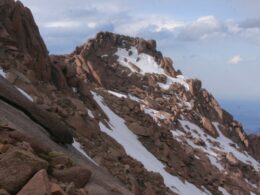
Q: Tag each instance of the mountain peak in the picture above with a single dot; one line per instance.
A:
(114, 116)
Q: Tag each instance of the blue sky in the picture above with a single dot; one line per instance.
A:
(216, 41)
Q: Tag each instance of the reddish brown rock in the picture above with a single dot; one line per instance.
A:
(207, 125)
(232, 160)
(149, 191)
(167, 63)
(3, 192)
(139, 130)
(57, 190)
(79, 175)
(242, 135)
(19, 26)
(226, 117)
(254, 145)
(3, 148)
(194, 86)
(70, 189)
(61, 160)
(38, 185)
(81, 192)
(11, 77)
(151, 44)
(16, 167)
(95, 188)
(58, 77)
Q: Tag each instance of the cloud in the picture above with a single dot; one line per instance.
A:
(235, 60)
(250, 23)
(202, 28)
(62, 24)
(86, 17)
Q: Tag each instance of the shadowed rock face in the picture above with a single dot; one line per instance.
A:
(21, 42)
(58, 130)
(254, 143)
(112, 117)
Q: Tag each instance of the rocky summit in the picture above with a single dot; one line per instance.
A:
(114, 117)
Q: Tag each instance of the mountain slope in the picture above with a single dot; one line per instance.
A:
(119, 113)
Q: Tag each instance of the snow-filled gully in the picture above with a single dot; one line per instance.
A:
(134, 148)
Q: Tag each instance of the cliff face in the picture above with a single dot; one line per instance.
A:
(21, 44)
(112, 117)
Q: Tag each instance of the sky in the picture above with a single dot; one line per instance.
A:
(216, 41)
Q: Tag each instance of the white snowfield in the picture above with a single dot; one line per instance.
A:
(134, 148)
(212, 150)
(146, 64)
(25, 94)
(78, 147)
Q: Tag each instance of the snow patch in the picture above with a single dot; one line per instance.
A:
(104, 56)
(155, 114)
(25, 94)
(134, 148)
(171, 80)
(226, 143)
(223, 190)
(205, 189)
(74, 89)
(78, 147)
(90, 113)
(198, 133)
(120, 95)
(146, 64)
(134, 98)
(223, 145)
(2, 73)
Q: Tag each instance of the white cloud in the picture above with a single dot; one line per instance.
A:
(62, 24)
(168, 25)
(202, 28)
(235, 60)
(136, 26)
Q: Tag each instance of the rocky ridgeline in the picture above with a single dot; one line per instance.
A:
(141, 127)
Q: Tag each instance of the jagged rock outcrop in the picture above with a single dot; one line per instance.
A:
(21, 44)
(254, 144)
(112, 117)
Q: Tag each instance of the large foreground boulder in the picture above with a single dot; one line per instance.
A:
(16, 167)
(38, 185)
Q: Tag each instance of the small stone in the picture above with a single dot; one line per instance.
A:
(11, 77)
(81, 192)
(3, 148)
(232, 160)
(70, 189)
(57, 190)
(3, 192)
(199, 142)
